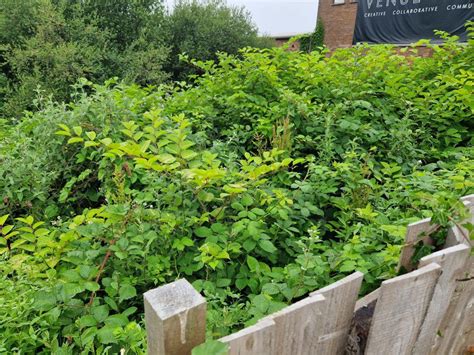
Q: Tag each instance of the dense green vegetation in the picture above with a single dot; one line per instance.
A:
(313, 41)
(47, 45)
(270, 175)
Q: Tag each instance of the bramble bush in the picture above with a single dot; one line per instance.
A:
(272, 175)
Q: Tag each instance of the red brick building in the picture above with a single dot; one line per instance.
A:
(338, 17)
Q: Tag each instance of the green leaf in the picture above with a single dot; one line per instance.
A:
(75, 140)
(249, 245)
(126, 292)
(129, 311)
(116, 320)
(91, 286)
(241, 283)
(7, 229)
(223, 282)
(100, 313)
(203, 232)
(3, 219)
(70, 290)
(77, 130)
(271, 289)
(252, 263)
(267, 246)
(166, 158)
(188, 154)
(44, 301)
(247, 200)
(71, 275)
(348, 265)
(64, 127)
(87, 336)
(213, 347)
(87, 321)
(106, 335)
(91, 135)
(63, 133)
(261, 303)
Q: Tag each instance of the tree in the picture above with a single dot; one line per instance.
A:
(201, 29)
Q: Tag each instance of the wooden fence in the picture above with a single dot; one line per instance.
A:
(429, 310)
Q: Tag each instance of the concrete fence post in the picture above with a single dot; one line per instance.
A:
(175, 317)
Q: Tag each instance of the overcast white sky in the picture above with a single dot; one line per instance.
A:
(280, 18)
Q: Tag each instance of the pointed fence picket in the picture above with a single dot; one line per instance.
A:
(429, 310)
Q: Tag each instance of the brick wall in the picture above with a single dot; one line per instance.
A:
(295, 46)
(338, 21)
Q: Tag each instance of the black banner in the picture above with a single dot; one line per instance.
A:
(407, 21)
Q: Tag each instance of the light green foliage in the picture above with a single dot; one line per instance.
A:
(276, 174)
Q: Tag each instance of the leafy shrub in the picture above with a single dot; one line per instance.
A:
(202, 29)
(273, 175)
(403, 107)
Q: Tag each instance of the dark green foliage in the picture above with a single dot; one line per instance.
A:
(58, 53)
(201, 30)
(314, 41)
(48, 45)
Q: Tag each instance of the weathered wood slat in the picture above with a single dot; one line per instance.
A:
(400, 310)
(341, 298)
(298, 327)
(257, 339)
(367, 299)
(453, 261)
(468, 198)
(417, 231)
(175, 317)
(457, 327)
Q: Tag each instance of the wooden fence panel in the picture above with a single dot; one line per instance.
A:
(417, 231)
(457, 327)
(175, 317)
(298, 327)
(257, 339)
(453, 261)
(341, 298)
(400, 310)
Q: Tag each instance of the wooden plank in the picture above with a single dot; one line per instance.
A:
(457, 327)
(418, 231)
(298, 327)
(452, 261)
(464, 343)
(175, 317)
(468, 198)
(367, 299)
(456, 332)
(341, 298)
(400, 310)
(257, 339)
